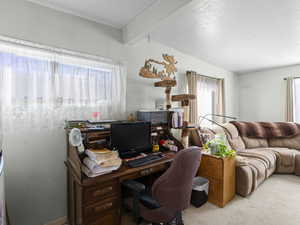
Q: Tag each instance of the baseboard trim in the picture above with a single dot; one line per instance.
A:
(59, 221)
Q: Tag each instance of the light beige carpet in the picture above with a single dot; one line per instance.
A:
(276, 202)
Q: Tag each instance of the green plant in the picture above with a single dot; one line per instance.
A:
(219, 148)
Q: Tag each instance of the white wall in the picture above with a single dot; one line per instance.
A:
(28, 21)
(262, 94)
(35, 173)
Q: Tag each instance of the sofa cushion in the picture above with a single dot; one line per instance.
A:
(286, 160)
(244, 179)
(267, 156)
(255, 142)
(250, 173)
(233, 137)
(267, 129)
(290, 142)
(255, 164)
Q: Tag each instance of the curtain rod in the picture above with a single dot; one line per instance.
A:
(292, 77)
(33, 45)
(216, 78)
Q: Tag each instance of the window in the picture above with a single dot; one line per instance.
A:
(43, 88)
(206, 92)
(297, 100)
(210, 98)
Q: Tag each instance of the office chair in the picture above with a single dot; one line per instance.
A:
(170, 193)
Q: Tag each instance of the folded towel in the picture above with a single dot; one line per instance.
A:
(95, 167)
(102, 157)
(89, 173)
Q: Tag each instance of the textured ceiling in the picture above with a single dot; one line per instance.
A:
(116, 13)
(237, 35)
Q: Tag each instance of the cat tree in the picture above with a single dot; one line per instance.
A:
(167, 76)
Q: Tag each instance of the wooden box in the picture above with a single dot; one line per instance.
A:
(221, 175)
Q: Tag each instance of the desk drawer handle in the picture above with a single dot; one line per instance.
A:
(104, 207)
(102, 191)
(146, 172)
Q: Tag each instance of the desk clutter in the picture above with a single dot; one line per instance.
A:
(91, 143)
(99, 162)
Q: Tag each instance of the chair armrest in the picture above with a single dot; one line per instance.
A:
(134, 186)
(148, 201)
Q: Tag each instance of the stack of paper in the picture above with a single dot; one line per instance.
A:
(99, 162)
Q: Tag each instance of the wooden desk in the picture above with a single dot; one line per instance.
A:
(98, 201)
(221, 175)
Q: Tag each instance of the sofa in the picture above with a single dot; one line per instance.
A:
(259, 157)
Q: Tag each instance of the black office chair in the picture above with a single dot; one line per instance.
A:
(170, 193)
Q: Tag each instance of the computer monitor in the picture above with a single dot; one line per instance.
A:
(131, 137)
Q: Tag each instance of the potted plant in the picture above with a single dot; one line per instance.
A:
(218, 147)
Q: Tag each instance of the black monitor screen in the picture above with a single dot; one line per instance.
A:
(131, 136)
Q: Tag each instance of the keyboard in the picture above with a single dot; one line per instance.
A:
(144, 161)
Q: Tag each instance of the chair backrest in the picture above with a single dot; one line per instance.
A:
(173, 189)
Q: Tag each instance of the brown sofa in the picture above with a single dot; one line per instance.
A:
(258, 158)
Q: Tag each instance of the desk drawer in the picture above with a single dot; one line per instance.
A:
(99, 209)
(97, 135)
(109, 218)
(145, 172)
(100, 192)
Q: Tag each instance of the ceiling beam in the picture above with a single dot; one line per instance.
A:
(146, 22)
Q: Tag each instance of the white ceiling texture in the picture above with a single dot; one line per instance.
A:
(238, 35)
(116, 13)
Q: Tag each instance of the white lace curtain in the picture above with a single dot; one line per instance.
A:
(42, 89)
